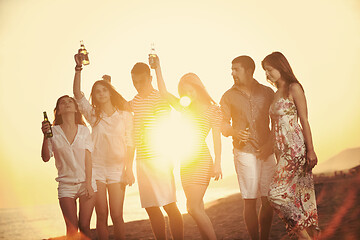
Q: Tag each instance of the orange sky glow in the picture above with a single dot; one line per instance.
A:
(39, 38)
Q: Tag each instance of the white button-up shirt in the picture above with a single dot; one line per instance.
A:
(111, 135)
(70, 158)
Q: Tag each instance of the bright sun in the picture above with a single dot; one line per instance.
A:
(174, 138)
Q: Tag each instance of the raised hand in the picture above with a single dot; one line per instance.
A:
(45, 127)
(78, 59)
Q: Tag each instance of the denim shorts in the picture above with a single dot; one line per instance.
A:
(73, 190)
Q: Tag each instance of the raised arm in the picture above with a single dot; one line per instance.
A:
(77, 77)
(298, 95)
(174, 101)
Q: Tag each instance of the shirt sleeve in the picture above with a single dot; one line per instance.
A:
(86, 109)
(89, 145)
(226, 115)
(129, 129)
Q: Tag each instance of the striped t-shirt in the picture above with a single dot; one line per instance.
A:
(147, 113)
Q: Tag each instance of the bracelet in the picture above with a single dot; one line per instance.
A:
(78, 68)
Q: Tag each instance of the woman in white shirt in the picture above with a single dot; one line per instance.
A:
(71, 146)
(112, 127)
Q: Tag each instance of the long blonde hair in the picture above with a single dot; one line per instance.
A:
(193, 80)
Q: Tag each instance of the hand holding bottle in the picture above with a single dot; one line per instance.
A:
(78, 59)
(152, 57)
(154, 61)
(46, 127)
(243, 136)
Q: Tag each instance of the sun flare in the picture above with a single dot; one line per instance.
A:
(174, 138)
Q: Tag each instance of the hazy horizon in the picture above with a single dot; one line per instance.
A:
(39, 38)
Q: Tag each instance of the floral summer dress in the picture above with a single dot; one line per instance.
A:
(291, 191)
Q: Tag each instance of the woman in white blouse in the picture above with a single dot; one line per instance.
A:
(112, 127)
(71, 146)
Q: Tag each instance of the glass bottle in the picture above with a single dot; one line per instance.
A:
(152, 56)
(49, 133)
(84, 53)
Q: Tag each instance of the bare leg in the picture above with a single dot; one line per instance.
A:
(157, 221)
(101, 209)
(303, 235)
(85, 212)
(251, 218)
(313, 232)
(265, 218)
(68, 208)
(116, 202)
(176, 221)
(195, 206)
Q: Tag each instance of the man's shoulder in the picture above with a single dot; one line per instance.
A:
(265, 88)
(229, 91)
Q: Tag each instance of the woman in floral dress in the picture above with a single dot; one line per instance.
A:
(291, 192)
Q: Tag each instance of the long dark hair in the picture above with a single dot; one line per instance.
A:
(278, 61)
(58, 119)
(193, 80)
(116, 99)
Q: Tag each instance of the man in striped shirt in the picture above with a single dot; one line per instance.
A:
(155, 176)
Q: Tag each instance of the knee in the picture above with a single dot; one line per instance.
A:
(102, 215)
(192, 209)
(172, 209)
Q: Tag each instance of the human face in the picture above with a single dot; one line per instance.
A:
(141, 82)
(238, 73)
(189, 91)
(66, 105)
(101, 94)
(272, 74)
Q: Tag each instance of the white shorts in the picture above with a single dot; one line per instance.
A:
(73, 190)
(254, 175)
(109, 175)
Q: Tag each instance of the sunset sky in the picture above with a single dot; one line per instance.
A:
(38, 38)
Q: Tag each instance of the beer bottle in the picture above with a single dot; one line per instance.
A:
(84, 54)
(152, 56)
(49, 133)
(247, 126)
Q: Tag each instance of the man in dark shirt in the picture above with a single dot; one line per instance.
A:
(245, 108)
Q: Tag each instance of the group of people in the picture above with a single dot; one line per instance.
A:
(97, 167)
